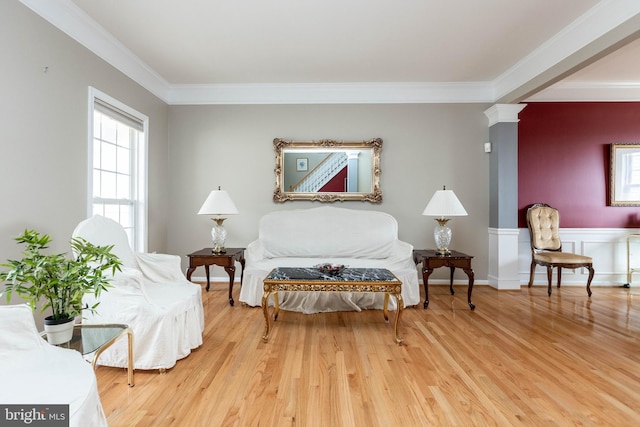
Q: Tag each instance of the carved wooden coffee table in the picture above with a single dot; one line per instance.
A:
(357, 280)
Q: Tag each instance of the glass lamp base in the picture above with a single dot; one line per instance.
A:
(442, 236)
(218, 236)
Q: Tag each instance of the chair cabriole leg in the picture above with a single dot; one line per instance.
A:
(531, 273)
(591, 272)
(559, 276)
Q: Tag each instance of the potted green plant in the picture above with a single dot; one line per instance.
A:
(60, 281)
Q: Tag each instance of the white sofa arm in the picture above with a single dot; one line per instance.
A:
(401, 256)
(160, 267)
(404, 249)
(254, 252)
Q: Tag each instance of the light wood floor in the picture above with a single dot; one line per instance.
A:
(522, 358)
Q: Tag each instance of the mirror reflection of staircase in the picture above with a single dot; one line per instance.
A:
(332, 167)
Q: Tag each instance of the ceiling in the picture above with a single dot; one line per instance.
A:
(319, 51)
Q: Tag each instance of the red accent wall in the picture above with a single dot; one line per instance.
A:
(336, 185)
(563, 160)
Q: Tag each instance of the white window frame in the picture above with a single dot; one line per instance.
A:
(140, 237)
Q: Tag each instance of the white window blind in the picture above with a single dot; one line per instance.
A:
(118, 166)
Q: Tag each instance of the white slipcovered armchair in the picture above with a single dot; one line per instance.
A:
(151, 295)
(35, 373)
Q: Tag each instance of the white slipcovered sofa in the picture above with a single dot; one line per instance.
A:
(306, 237)
(35, 373)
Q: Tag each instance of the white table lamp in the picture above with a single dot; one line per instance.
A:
(219, 205)
(444, 203)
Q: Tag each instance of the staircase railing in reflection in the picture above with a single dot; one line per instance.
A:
(321, 174)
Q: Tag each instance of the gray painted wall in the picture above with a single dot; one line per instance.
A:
(43, 131)
(503, 175)
(425, 147)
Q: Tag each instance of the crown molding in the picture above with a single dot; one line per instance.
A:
(504, 113)
(606, 15)
(73, 21)
(589, 92)
(331, 93)
(592, 25)
(70, 19)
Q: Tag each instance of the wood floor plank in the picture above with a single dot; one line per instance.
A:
(521, 358)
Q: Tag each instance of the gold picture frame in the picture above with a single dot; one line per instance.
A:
(362, 159)
(624, 175)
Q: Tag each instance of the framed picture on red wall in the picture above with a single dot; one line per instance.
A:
(624, 175)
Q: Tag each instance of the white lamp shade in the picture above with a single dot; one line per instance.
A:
(444, 203)
(218, 203)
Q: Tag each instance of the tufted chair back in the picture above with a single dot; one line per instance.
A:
(543, 222)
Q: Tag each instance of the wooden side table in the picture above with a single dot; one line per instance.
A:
(206, 257)
(430, 261)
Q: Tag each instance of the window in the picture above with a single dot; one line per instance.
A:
(117, 165)
(631, 174)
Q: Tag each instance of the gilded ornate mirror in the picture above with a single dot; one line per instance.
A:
(327, 170)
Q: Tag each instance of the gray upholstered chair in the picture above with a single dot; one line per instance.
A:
(543, 222)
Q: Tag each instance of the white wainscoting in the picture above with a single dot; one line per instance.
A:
(607, 247)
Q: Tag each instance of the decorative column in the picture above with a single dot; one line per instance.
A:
(352, 171)
(503, 195)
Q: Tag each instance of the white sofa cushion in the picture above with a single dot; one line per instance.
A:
(328, 232)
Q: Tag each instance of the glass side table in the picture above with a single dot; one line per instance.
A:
(96, 338)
